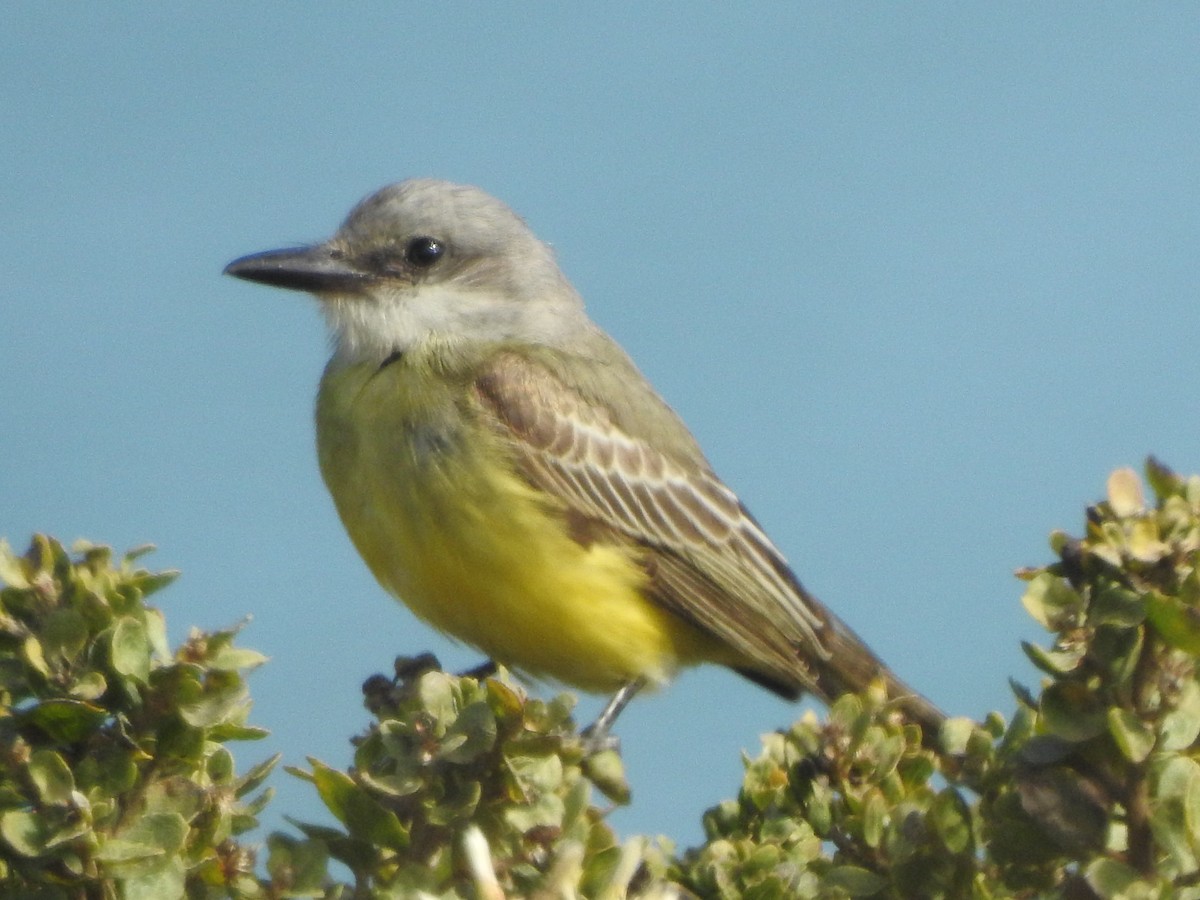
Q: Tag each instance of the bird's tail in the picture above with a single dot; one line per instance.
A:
(852, 666)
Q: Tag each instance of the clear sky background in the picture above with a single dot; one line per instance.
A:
(917, 276)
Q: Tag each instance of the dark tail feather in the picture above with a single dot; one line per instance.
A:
(852, 666)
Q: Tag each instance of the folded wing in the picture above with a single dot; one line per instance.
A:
(711, 563)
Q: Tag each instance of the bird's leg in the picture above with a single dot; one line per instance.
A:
(596, 736)
(485, 669)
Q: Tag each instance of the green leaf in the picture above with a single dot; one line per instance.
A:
(1125, 493)
(1144, 543)
(955, 734)
(362, 815)
(1181, 726)
(395, 786)
(333, 786)
(233, 659)
(31, 653)
(1133, 737)
(459, 804)
(1174, 817)
(1069, 712)
(1110, 878)
(299, 867)
(436, 691)
(607, 772)
(177, 795)
(22, 830)
(166, 878)
(1051, 601)
(1178, 623)
(575, 804)
(224, 699)
(89, 686)
(1117, 606)
(67, 721)
(135, 553)
(1054, 662)
(818, 807)
(1175, 776)
(471, 735)
(545, 811)
(855, 881)
(51, 777)
(256, 776)
(166, 831)
(229, 731)
(12, 568)
(131, 649)
(149, 582)
(1119, 649)
(257, 804)
(220, 766)
(1168, 823)
(1191, 807)
(110, 769)
(951, 820)
(119, 850)
(65, 633)
(181, 741)
(874, 818)
(156, 634)
(537, 774)
(1163, 481)
(1024, 696)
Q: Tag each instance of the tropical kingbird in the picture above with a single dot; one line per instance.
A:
(505, 470)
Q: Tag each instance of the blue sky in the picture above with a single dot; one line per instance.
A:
(918, 277)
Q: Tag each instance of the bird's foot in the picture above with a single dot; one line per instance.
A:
(596, 741)
(596, 737)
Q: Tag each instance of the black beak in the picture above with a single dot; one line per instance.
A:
(316, 269)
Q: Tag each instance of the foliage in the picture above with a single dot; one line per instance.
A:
(453, 756)
(115, 773)
(115, 778)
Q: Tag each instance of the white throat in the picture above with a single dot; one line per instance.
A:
(372, 328)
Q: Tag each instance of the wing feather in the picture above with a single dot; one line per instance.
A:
(712, 564)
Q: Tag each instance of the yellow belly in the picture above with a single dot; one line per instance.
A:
(431, 502)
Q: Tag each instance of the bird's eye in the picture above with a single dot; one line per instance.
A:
(423, 252)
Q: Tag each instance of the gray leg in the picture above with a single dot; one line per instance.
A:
(596, 736)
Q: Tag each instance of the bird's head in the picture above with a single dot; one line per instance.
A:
(427, 260)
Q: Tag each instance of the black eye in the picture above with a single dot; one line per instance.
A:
(423, 252)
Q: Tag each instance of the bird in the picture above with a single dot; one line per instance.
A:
(504, 468)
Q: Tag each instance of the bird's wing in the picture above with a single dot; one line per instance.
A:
(712, 564)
